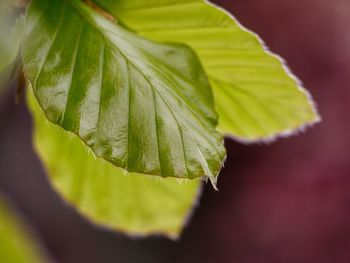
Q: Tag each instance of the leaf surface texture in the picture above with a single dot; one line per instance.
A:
(143, 106)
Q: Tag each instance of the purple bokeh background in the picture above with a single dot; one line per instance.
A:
(285, 202)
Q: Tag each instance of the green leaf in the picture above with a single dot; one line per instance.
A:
(131, 203)
(11, 32)
(143, 106)
(17, 244)
(256, 95)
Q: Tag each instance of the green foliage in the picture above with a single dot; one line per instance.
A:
(11, 31)
(17, 245)
(131, 203)
(143, 106)
(256, 95)
(141, 83)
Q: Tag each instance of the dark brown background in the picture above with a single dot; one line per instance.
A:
(287, 202)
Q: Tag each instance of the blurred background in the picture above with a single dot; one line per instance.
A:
(279, 203)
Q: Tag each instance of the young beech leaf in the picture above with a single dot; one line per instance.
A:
(143, 106)
(256, 95)
(17, 244)
(134, 204)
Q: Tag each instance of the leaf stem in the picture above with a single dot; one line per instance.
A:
(99, 10)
